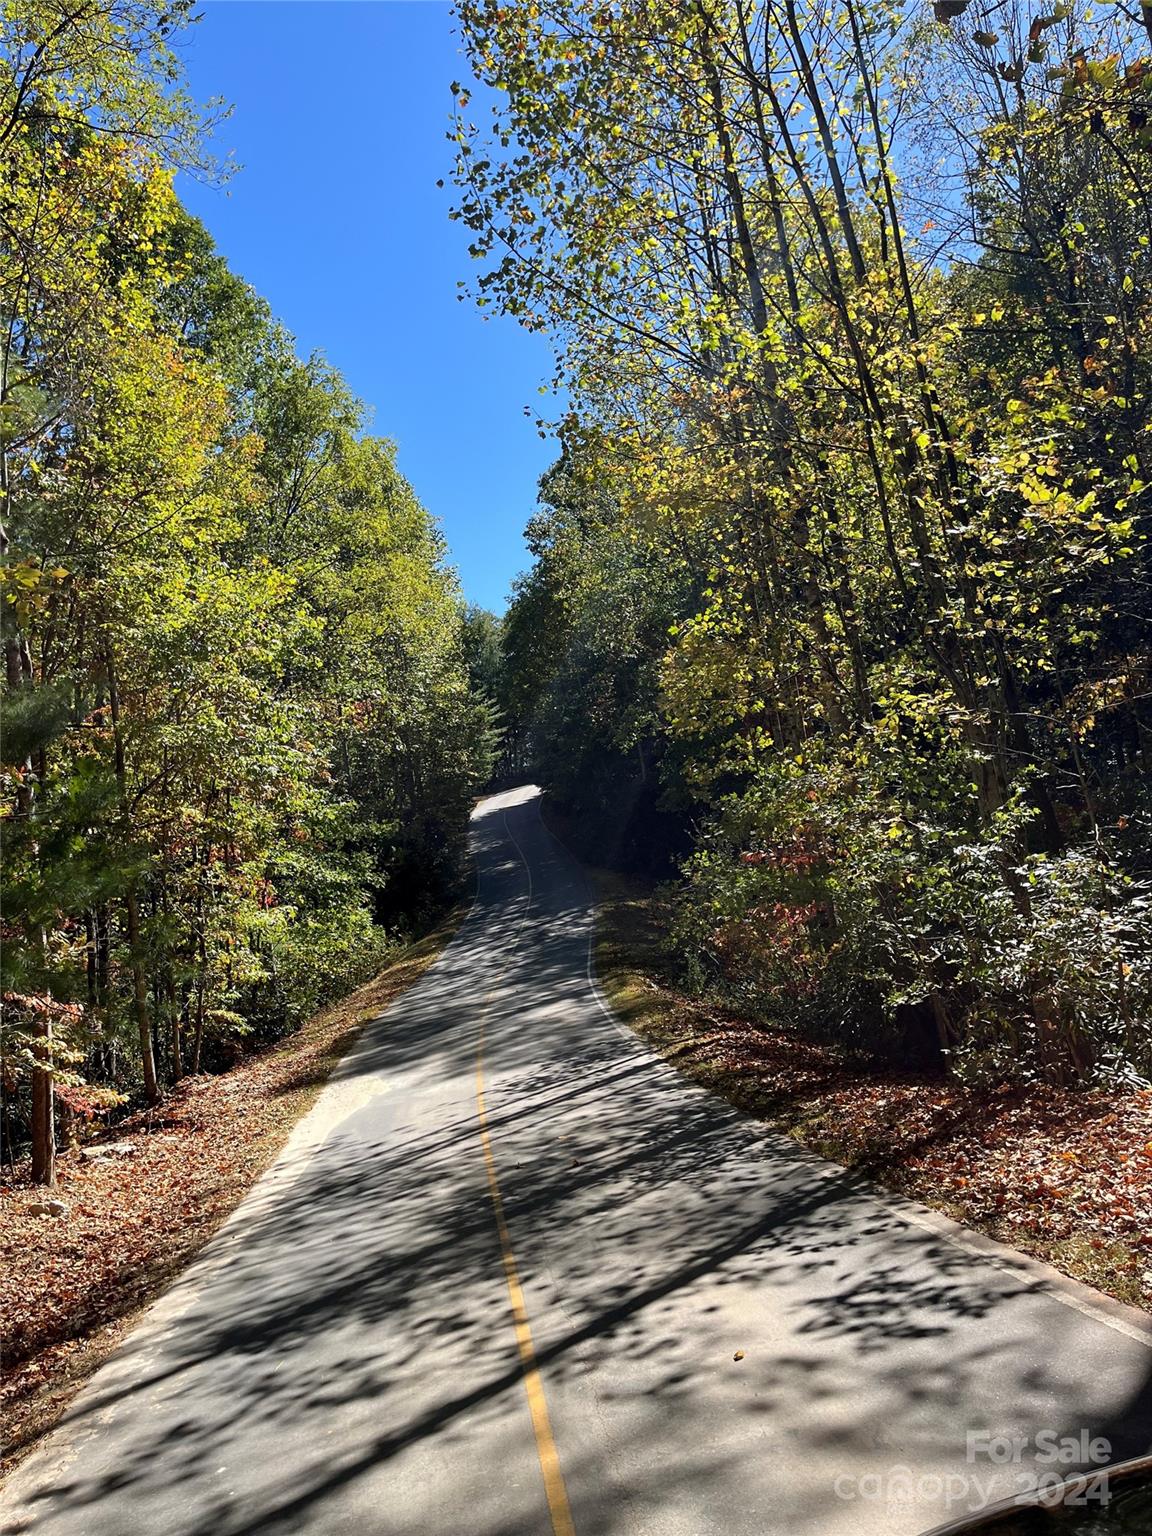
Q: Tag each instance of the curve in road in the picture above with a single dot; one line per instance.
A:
(513, 1276)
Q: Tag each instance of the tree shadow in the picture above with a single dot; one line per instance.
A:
(342, 1358)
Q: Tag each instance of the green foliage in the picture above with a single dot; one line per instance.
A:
(582, 645)
(816, 901)
(854, 311)
(241, 734)
(480, 636)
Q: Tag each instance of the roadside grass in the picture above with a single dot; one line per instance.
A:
(72, 1286)
(1063, 1175)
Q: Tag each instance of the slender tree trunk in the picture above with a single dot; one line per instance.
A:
(43, 1116)
(131, 904)
(198, 1033)
(174, 1030)
(140, 997)
(18, 674)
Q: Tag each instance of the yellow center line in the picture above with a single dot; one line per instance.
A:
(554, 1489)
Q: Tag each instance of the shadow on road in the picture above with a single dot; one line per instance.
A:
(359, 1321)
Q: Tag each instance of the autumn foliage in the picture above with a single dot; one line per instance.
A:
(841, 587)
(240, 741)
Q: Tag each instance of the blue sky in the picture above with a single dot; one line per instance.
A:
(340, 112)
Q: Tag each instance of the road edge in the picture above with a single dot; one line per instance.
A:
(1041, 1276)
(336, 1097)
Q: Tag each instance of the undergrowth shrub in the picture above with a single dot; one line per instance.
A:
(817, 903)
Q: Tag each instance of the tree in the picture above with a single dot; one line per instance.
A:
(893, 430)
(241, 740)
(480, 633)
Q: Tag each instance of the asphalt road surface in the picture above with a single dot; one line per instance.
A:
(498, 1282)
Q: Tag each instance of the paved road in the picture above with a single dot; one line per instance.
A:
(375, 1344)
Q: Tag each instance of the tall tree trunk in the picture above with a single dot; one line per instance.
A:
(18, 674)
(174, 1042)
(43, 1116)
(140, 997)
(198, 1033)
(131, 905)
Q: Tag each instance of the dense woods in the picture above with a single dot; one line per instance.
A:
(832, 659)
(240, 738)
(840, 603)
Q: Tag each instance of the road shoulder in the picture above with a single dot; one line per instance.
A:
(1058, 1180)
(74, 1285)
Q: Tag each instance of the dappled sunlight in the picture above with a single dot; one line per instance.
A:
(342, 1358)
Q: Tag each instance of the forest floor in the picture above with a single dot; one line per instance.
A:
(72, 1286)
(1063, 1175)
